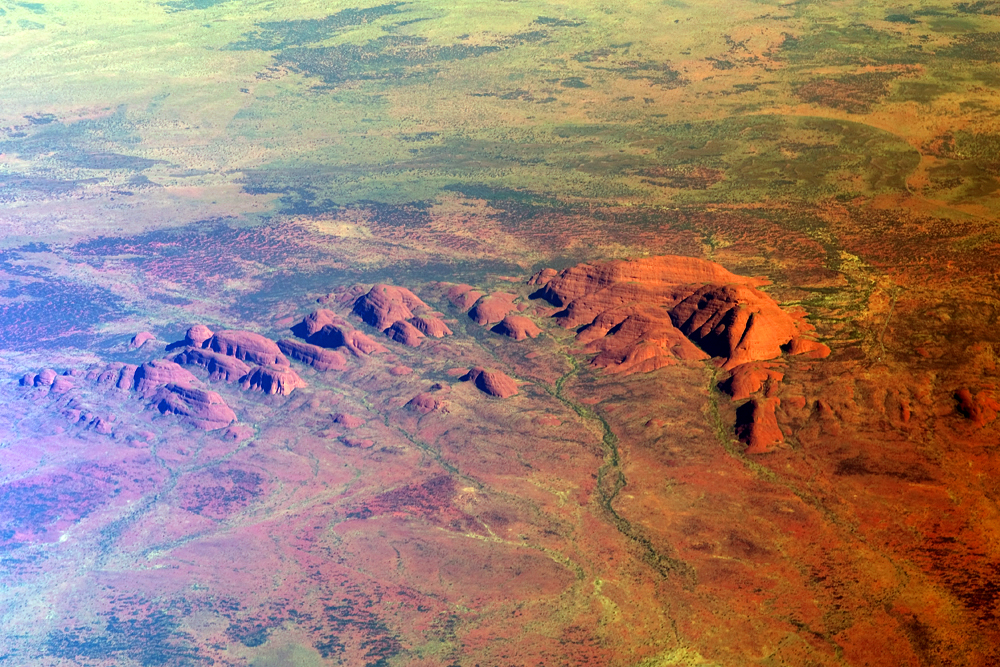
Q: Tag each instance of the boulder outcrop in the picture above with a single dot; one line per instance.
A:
(384, 305)
(324, 328)
(154, 374)
(247, 346)
(219, 366)
(757, 425)
(517, 327)
(273, 380)
(463, 296)
(313, 355)
(141, 339)
(430, 326)
(492, 309)
(203, 409)
(405, 333)
(747, 379)
(493, 383)
(197, 335)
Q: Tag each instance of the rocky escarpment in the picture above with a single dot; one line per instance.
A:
(644, 314)
(399, 314)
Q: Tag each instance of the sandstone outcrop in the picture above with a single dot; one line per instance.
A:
(463, 296)
(430, 326)
(197, 335)
(219, 366)
(141, 339)
(757, 425)
(493, 383)
(203, 409)
(517, 327)
(384, 305)
(154, 374)
(348, 421)
(810, 348)
(980, 408)
(313, 355)
(247, 346)
(639, 315)
(405, 333)
(737, 323)
(492, 309)
(424, 403)
(273, 380)
(747, 379)
(324, 329)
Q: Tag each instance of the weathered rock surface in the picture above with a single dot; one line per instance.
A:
(632, 301)
(219, 366)
(348, 421)
(324, 329)
(517, 327)
(492, 309)
(273, 380)
(247, 346)
(197, 335)
(810, 348)
(980, 408)
(313, 355)
(405, 333)
(430, 326)
(738, 323)
(747, 379)
(154, 374)
(141, 339)
(463, 296)
(494, 383)
(203, 409)
(424, 403)
(384, 305)
(757, 425)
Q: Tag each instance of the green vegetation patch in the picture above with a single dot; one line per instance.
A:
(278, 35)
(853, 93)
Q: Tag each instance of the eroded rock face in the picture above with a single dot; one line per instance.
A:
(405, 333)
(273, 380)
(757, 425)
(203, 409)
(517, 327)
(463, 296)
(493, 383)
(154, 374)
(384, 305)
(748, 379)
(247, 346)
(492, 309)
(430, 326)
(424, 403)
(980, 408)
(313, 355)
(141, 339)
(219, 366)
(640, 315)
(197, 335)
(738, 323)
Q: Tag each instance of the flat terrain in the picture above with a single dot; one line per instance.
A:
(477, 469)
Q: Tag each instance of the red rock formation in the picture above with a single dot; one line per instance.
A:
(811, 348)
(397, 371)
(424, 403)
(348, 421)
(313, 355)
(636, 340)
(385, 305)
(126, 376)
(219, 366)
(493, 308)
(333, 336)
(204, 409)
(360, 443)
(463, 296)
(247, 346)
(45, 378)
(61, 385)
(405, 333)
(747, 379)
(757, 425)
(273, 380)
(430, 326)
(197, 335)
(315, 321)
(517, 327)
(981, 408)
(494, 383)
(154, 374)
(738, 323)
(141, 339)
(651, 272)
